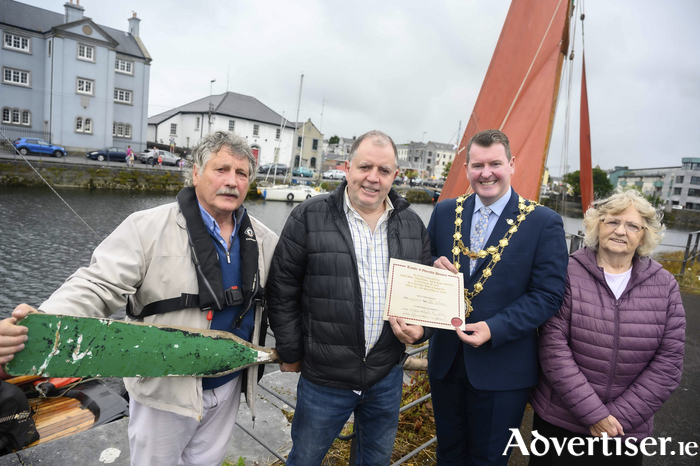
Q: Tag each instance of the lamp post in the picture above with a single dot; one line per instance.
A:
(211, 86)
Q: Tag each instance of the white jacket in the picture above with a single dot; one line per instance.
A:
(147, 256)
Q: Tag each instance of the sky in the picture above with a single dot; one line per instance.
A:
(414, 69)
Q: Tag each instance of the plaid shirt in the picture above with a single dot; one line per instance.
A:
(372, 253)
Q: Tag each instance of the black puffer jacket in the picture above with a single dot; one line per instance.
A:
(314, 297)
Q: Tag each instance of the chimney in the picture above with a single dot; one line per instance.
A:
(134, 25)
(74, 12)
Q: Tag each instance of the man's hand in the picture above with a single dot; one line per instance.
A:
(291, 366)
(481, 333)
(13, 336)
(610, 425)
(406, 333)
(444, 263)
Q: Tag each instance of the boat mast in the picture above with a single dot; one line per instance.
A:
(294, 139)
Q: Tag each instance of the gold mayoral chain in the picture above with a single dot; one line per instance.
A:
(494, 251)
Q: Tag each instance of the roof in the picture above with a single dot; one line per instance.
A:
(36, 19)
(227, 104)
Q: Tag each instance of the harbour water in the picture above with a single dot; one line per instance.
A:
(42, 242)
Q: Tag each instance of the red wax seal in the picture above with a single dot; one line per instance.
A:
(456, 322)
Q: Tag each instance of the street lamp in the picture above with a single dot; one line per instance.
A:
(211, 86)
(424, 133)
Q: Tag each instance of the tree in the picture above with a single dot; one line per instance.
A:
(601, 184)
(446, 169)
(334, 140)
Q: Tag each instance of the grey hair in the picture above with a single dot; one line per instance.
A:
(487, 138)
(617, 203)
(213, 143)
(378, 138)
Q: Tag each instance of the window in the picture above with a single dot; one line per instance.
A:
(15, 42)
(121, 130)
(196, 123)
(15, 117)
(50, 47)
(679, 179)
(677, 191)
(83, 125)
(232, 124)
(26, 118)
(6, 115)
(256, 130)
(86, 52)
(16, 77)
(695, 180)
(694, 192)
(122, 96)
(277, 134)
(299, 141)
(123, 66)
(85, 86)
(173, 129)
(314, 145)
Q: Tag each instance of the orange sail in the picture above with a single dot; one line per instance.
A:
(519, 93)
(586, 170)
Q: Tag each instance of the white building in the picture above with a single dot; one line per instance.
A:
(268, 133)
(71, 81)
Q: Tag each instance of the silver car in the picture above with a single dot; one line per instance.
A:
(150, 157)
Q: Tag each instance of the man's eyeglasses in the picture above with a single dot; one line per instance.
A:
(631, 227)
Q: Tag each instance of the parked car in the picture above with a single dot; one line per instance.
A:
(303, 171)
(111, 154)
(38, 146)
(273, 168)
(334, 174)
(151, 157)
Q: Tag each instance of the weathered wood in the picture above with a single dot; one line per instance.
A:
(69, 346)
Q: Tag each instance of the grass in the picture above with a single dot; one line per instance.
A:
(672, 261)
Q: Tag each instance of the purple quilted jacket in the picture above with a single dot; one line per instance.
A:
(600, 355)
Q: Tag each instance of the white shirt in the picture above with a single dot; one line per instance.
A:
(618, 281)
(372, 253)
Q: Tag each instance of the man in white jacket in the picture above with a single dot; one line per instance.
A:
(147, 261)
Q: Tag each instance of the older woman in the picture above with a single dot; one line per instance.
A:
(614, 353)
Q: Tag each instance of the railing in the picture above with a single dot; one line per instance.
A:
(15, 132)
(351, 437)
(690, 254)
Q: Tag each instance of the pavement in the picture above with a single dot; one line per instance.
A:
(678, 419)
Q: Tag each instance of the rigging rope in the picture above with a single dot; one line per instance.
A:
(49, 185)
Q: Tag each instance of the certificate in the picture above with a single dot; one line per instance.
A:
(424, 295)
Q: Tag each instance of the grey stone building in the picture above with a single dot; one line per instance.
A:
(682, 186)
(70, 80)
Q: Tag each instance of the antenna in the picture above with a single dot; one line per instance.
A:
(323, 105)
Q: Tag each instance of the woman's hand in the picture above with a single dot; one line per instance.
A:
(610, 425)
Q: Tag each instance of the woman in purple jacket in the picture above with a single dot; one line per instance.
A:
(613, 354)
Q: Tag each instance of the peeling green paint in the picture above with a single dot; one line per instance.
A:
(69, 346)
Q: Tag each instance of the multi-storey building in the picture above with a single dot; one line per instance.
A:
(268, 133)
(428, 159)
(682, 186)
(308, 151)
(71, 81)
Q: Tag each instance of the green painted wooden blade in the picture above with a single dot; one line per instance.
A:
(69, 346)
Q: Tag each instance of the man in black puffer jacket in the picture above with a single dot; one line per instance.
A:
(326, 293)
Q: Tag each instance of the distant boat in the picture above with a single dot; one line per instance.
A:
(289, 193)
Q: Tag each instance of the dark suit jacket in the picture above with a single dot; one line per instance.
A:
(525, 290)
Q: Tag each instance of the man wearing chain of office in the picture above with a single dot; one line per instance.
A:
(513, 255)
